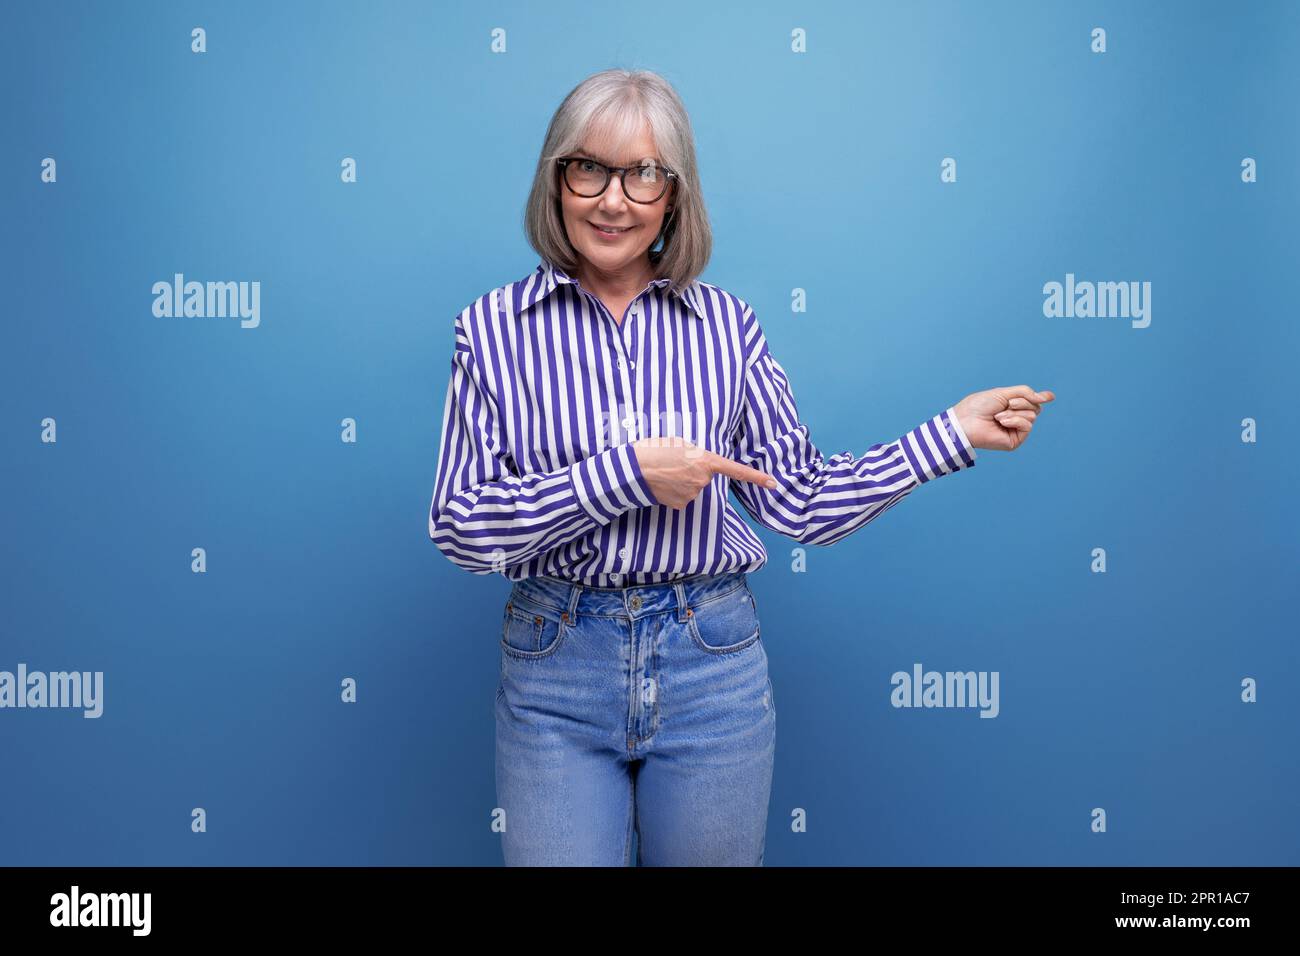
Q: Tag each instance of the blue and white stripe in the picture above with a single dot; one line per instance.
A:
(536, 470)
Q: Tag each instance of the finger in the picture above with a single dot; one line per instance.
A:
(1024, 391)
(1027, 414)
(1016, 422)
(734, 469)
(1025, 403)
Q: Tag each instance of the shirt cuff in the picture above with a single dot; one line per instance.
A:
(937, 447)
(961, 432)
(609, 483)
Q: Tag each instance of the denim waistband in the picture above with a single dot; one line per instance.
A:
(570, 600)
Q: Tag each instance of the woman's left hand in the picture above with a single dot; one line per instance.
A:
(1000, 418)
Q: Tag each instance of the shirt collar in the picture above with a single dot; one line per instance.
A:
(549, 276)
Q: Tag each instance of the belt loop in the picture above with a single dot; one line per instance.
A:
(571, 615)
(681, 601)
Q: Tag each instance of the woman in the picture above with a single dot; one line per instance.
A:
(598, 411)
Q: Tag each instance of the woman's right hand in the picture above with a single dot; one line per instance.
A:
(677, 470)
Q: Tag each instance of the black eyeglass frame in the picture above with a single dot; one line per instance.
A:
(622, 171)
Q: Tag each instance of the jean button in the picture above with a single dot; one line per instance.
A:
(636, 602)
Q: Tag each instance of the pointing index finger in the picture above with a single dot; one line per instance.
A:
(734, 469)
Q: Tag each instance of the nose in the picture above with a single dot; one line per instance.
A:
(612, 199)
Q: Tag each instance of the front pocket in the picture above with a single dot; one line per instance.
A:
(724, 624)
(529, 631)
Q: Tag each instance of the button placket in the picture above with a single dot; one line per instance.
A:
(626, 340)
(625, 531)
(629, 337)
(623, 381)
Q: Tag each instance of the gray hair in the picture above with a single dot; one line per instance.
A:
(614, 106)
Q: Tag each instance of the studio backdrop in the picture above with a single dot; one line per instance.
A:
(226, 636)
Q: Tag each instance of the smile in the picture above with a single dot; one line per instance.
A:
(609, 232)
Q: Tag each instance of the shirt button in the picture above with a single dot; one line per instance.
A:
(629, 421)
(636, 308)
(616, 576)
(622, 552)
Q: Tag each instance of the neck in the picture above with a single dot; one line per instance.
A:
(623, 284)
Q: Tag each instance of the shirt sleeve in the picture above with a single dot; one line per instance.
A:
(485, 516)
(820, 500)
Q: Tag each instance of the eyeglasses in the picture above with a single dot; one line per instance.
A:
(588, 178)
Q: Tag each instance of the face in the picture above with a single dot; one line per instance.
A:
(621, 256)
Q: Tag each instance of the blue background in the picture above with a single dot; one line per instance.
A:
(821, 171)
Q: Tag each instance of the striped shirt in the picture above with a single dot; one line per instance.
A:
(537, 473)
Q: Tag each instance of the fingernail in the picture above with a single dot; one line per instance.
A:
(771, 482)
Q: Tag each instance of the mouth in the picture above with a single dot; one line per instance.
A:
(609, 231)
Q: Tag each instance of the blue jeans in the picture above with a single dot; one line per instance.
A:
(645, 707)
